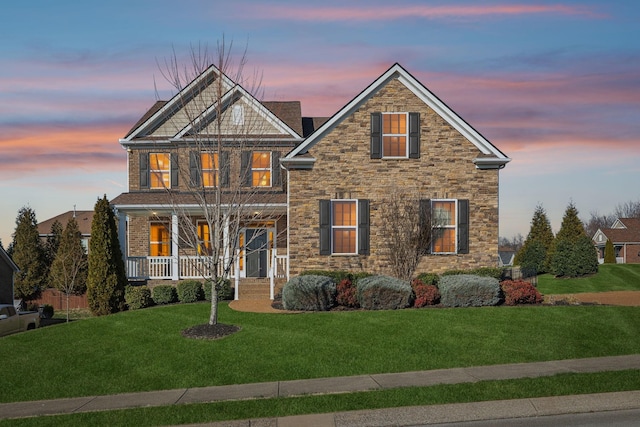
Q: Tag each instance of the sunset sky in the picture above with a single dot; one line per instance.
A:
(554, 85)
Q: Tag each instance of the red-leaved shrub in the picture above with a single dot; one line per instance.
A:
(346, 294)
(520, 292)
(425, 294)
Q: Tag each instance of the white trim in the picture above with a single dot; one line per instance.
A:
(405, 135)
(396, 71)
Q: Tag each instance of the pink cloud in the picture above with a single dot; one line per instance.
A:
(386, 13)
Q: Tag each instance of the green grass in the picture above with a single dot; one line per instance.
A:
(267, 408)
(610, 277)
(143, 350)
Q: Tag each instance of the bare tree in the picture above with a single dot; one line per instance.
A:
(629, 209)
(221, 136)
(408, 227)
(597, 221)
(69, 267)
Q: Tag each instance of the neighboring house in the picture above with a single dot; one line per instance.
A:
(395, 136)
(506, 257)
(7, 272)
(83, 218)
(625, 237)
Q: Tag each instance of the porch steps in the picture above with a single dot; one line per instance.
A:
(256, 289)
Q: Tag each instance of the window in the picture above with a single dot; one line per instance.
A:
(238, 115)
(210, 169)
(261, 169)
(395, 135)
(159, 240)
(159, 169)
(444, 226)
(344, 227)
(204, 239)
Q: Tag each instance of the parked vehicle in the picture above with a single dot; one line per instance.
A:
(12, 321)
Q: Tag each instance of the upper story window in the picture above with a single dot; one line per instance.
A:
(261, 169)
(159, 170)
(159, 240)
(395, 135)
(210, 169)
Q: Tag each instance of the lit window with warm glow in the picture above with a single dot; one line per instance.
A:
(261, 169)
(210, 169)
(159, 170)
(394, 135)
(159, 240)
(344, 226)
(444, 226)
(204, 238)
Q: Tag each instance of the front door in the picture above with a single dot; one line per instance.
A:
(256, 252)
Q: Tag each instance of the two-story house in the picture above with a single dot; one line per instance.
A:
(304, 193)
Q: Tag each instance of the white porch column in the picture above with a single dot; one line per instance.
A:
(175, 266)
(237, 274)
(272, 273)
(226, 242)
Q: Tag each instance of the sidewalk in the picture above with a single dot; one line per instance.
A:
(395, 416)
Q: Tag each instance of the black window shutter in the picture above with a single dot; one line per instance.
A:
(223, 165)
(363, 227)
(174, 169)
(245, 168)
(144, 170)
(194, 168)
(414, 135)
(463, 226)
(376, 135)
(425, 226)
(325, 227)
(276, 179)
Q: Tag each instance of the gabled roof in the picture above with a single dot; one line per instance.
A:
(83, 218)
(163, 111)
(5, 256)
(624, 230)
(491, 157)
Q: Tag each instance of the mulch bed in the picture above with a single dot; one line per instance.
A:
(210, 332)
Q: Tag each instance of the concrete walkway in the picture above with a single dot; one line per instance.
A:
(383, 417)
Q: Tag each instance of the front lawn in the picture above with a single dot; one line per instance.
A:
(143, 350)
(610, 277)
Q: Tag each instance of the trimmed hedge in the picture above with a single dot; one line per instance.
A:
(336, 275)
(519, 292)
(467, 290)
(225, 290)
(190, 291)
(309, 293)
(494, 272)
(428, 278)
(137, 297)
(165, 294)
(383, 293)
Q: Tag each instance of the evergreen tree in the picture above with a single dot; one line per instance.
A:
(609, 253)
(106, 280)
(570, 255)
(51, 246)
(533, 253)
(68, 271)
(27, 253)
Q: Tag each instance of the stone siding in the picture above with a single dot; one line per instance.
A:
(344, 170)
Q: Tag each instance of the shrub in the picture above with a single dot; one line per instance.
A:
(383, 293)
(346, 294)
(137, 297)
(190, 291)
(573, 258)
(309, 293)
(47, 311)
(424, 294)
(520, 292)
(336, 275)
(494, 272)
(429, 278)
(466, 290)
(225, 291)
(165, 294)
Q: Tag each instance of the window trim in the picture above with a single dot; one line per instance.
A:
(161, 243)
(405, 135)
(160, 173)
(454, 227)
(268, 168)
(345, 227)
